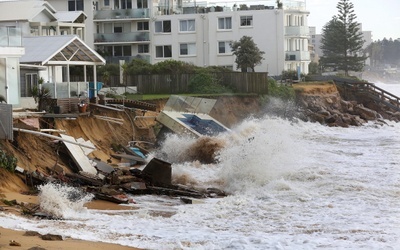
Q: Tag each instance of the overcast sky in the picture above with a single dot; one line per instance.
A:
(382, 17)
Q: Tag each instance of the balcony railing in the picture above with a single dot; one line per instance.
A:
(127, 59)
(122, 37)
(10, 37)
(298, 31)
(297, 56)
(121, 14)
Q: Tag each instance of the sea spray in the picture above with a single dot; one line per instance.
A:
(62, 201)
(269, 150)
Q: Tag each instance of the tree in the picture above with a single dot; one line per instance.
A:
(248, 55)
(342, 40)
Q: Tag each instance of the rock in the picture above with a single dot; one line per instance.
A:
(14, 243)
(52, 237)
(366, 113)
(31, 233)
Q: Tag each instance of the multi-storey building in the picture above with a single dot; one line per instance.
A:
(195, 31)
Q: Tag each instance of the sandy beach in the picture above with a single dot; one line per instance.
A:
(28, 242)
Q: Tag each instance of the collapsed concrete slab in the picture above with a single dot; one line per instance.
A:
(189, 115)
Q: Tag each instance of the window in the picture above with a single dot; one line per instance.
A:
(126, 4)
(31, 80)
(143, 26)
(142, 4)
(74, 5)
(143, 48)
(106, 2)
(164, 51)
(117, 28)
(187, 25)
(122, 50)
(246, 21)
(163, 26)
(225, 23)
(224, 47)
(187, 49)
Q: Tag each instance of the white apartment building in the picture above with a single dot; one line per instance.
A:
(195, 31)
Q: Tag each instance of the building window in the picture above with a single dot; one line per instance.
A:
(142, 4)
(143, 48)
(187, 49)
(224, 47)
(126, 4)
(164, 51)
(187, 25)
(163, 26)
(143, 26)
(117, 28)
(122, 50)
(246, 21)
(225, 23)
(106, 2)
(31, 80)
(75, 5)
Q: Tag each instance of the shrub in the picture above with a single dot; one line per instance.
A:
(281, 91)
(205, 83)
(7, 162)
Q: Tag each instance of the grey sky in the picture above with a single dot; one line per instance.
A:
(382, 17)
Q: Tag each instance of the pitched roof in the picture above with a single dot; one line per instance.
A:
(23, 10)
(71, 16)
(59, 50)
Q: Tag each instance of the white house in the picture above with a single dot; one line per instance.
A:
(38, 19)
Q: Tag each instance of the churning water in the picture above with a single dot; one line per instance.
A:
(292, 185)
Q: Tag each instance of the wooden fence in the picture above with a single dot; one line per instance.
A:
(179, 83)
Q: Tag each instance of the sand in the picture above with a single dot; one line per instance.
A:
(27, 242)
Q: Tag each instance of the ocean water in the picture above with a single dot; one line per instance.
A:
(291, 185)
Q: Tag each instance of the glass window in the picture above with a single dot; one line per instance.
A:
(143, 26)
(106, 2)
(187, 25)
(117, 28)
(142, 4)
(31, 80)
(225, 23)
(74, 5)
(127, 50)
(224, 47)
(164, 51)
(143, 48)
(188, 49)
(126, 4)
(117, 50)
(163, 26)
(246, 21)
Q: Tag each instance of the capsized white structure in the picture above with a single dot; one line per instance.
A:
(64, 51)
(189, 115)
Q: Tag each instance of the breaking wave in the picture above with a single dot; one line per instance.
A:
(258, 151)
(62, 201)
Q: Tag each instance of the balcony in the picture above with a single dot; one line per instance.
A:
(297, 31)
(127, 59)
(10, 37)
(131, 37)
(297, 56)
(103, 15)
